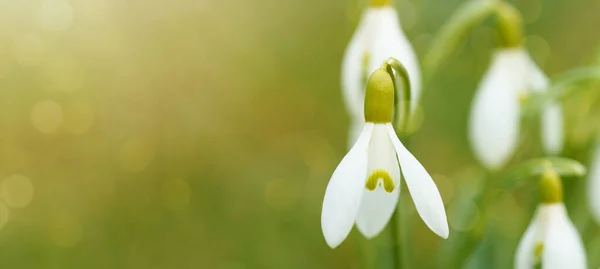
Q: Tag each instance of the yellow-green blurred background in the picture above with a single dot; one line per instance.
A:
(201, 134)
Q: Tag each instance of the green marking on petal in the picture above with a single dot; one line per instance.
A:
(524, 97)
(373, 180)
(365, 68)
(537, 252)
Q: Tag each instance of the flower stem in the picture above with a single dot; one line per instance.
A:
(396, 246)
(400, 227)
(468, 16)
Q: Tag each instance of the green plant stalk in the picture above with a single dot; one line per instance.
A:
(593, 249)
(402, 118)
(468, 16)
(396, 246)
(468, 241)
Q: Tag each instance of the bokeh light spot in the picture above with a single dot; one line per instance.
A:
(66, 231)
(175, 194)
(135, 155)
(5, 67)
(55, 15)
(17, 191)
(61, 73)
(29, 49)
(79, 117)
(46, 116)
(463, 215)
(4, 214)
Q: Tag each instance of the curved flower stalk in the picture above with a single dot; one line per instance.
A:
(365, 187)
(594, 185)
(551, 240)
(377, 38)
(494, 124)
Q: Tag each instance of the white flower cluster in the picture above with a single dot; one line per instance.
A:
(365, 187)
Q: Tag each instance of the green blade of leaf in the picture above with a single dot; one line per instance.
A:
(564, 86)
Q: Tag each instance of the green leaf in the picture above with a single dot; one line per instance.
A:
(564, 86)
(535, 168)
(468, 16)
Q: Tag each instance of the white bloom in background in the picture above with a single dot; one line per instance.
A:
(551, 240)
(377, 38)
(365, 187)
(594, 185)
(496, 111)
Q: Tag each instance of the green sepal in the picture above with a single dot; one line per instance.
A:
(564, 167)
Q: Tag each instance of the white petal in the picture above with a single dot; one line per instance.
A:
(552, 129)
(423, 190)
(551, 117)
(379, 37)
(377, 207)
(391, 42)
(353, 76)
(524, 258)
(538, 81)
(563, 247)
(344, 191)
(594, 185)
(495, 113)
(534, 235)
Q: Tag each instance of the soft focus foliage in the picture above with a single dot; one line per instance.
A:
(201, 134)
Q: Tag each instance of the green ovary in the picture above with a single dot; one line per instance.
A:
(388, 183)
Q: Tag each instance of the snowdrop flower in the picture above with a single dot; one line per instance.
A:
(551, 239)
(594, 185)
(496, 110)
(377, 38)
(365, 187)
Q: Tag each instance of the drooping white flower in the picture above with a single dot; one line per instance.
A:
(378, 37)
(496, 110)
(551, 240)
(594, 185)
(365, 187)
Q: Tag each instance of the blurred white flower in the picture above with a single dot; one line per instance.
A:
(551, 240)
(377, 38)
(594, 185)
(365, 186)
(496, 109)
